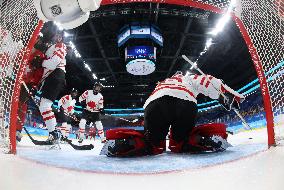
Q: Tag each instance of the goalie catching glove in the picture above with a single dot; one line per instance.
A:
(230, 98)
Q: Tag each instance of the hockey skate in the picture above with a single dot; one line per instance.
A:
(103, 140)
(19, 136)
(80, 141)
(54, 138)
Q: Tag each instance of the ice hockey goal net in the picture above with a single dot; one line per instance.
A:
(260, 22)
(19, 27)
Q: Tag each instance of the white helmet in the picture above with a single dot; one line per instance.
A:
(69, 13)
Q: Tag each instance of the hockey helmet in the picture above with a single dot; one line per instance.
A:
(74, 93)
(97, 87)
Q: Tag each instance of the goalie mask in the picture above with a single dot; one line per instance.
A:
(97, 88)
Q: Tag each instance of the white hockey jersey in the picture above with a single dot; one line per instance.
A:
(94, 102)
(187, 87)
(55, 59)
(67, 103)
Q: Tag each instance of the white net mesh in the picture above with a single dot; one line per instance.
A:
(263, 20)
(18, 20)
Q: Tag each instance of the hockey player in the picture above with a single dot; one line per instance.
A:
(52, 82)
(66, 108)
(94, 107)
(31, 79)
(173, 104)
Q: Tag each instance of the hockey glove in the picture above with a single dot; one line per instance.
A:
(229, 101)
(33, 90)
(102, 111)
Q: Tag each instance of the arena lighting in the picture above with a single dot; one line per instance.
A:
(218, 28)
(77, 54)
(94, 76)
(87, 67)
(67, 34)
(58, 25)
(208, 44)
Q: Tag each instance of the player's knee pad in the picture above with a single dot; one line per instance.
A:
(99, 125)
(82, 124)
(45, 104)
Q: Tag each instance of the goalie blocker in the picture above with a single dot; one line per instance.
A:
(128, 142)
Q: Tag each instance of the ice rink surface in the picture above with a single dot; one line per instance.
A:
(246, 165)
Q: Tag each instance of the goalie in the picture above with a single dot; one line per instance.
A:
(173, 103)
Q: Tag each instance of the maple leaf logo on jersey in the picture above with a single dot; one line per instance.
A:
(91, 104)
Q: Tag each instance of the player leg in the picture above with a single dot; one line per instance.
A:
(68, 129)
(82, 126)
(96, 119)
(53, 85)
(158, 118)
(184, 120)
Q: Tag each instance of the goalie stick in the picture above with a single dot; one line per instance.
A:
(133, 121)
(76, 147)
(246, 126)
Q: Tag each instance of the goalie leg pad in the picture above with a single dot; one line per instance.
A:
(206, 137)
(129, 143)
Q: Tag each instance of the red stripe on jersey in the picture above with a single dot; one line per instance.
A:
(175, 88)
(58, 54)
(177, 78)
(59, 45)
(61, 52)
(48, 118)
(223, 89)
(195, 76)
(46, 112)
(208, 82)
(202, 80)
(165, 84)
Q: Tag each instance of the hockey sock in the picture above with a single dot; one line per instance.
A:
(82, 125)
(100, 128)
(67, 130)
(47, 114)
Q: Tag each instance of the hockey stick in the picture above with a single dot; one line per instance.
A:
(246, 126)
(27, 89)
(79, 147)
(36, 142)
(76, 147)
(133, 121)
